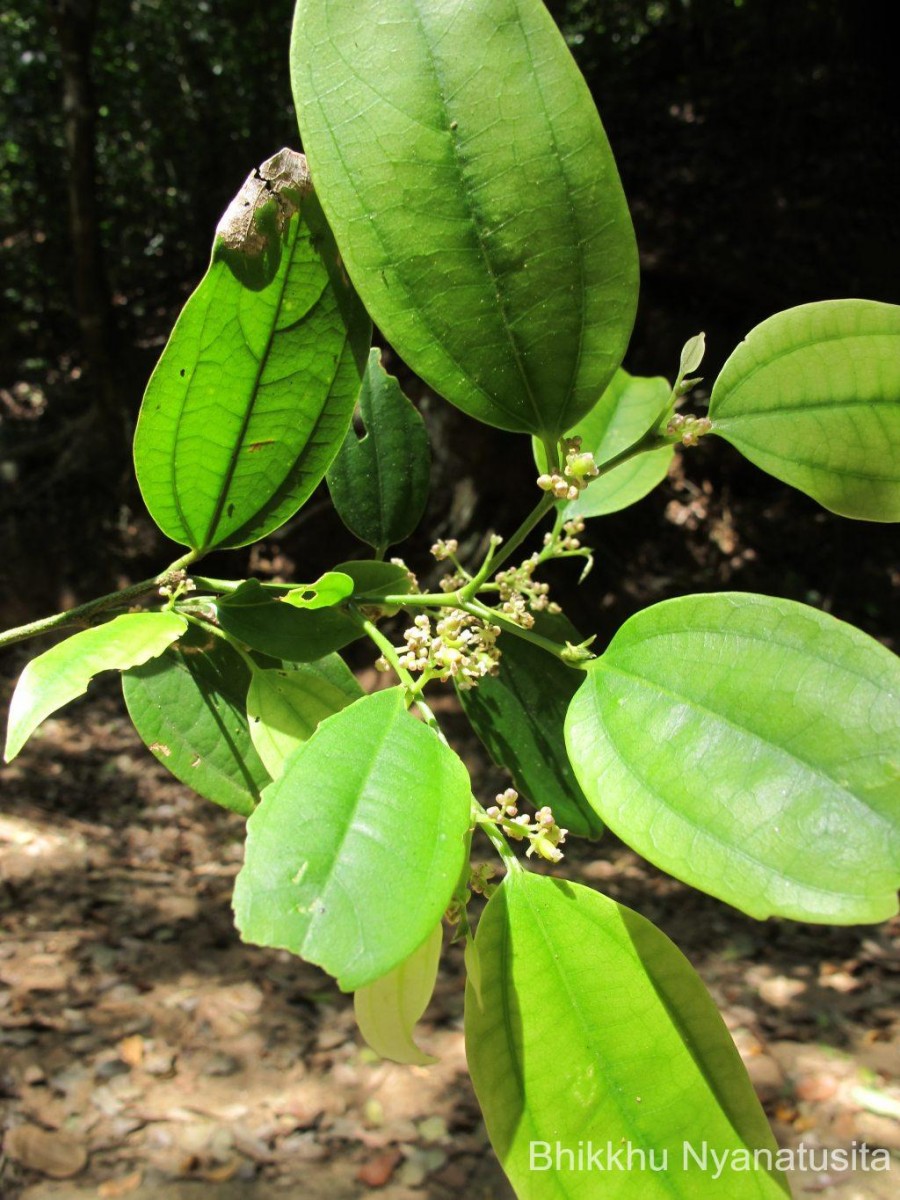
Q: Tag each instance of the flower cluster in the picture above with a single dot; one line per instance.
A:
(567, 542)
(460, 647)
(578, 471)
(544, 836)
(520, 595)
(442, 550)
(689, 430)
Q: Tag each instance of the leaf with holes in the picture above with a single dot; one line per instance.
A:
(474, 197)
(812, 395)
(751, 747)
(258, 617)
(255, 389)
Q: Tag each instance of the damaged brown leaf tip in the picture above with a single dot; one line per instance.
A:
(252, 228)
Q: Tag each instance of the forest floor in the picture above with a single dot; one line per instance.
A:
(146, 1053)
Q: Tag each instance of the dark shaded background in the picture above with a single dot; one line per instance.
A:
(757, 141)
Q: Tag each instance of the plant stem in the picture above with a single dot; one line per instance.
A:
(512, 544)
(170, 577)
(492, 616)
(501, 845)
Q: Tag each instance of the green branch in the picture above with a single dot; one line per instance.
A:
(83, 613)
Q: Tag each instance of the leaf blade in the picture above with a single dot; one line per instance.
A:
(474, 197)
(189, 710)
(812, 396)
(379, 483)
(255, 388)
(550, 951)
(738, 728)
(373, 795)
(388, 1010)
(64, 672)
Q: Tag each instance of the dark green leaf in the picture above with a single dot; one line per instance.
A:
(812, 396)
(750, 747)
(379, 482)
(474, 197)
(354, 853)
(257, 617)
(373, 579)
(255, 389)
(594, 1033)
(64, 672)
(519, 713)
(189, 708)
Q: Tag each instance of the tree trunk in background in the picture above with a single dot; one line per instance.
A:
(74, 23)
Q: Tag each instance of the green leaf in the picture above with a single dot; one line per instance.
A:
(373, 579)
(285, 706)
(64, 672)
(330, 589)
(623, 414)
(812, 395)
(189, 709)
(518, 714)
(388, 1009)
(474, 197)
(595, 1033)
(256, 616)
(751, 747)
(255, 389)
(379, 482)
(355, 851)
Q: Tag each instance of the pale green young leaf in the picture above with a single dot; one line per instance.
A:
(751, 747)
(474, 197)
(812, 395)
(189, 708)
(379, 481)
(64, 672)
(623, 414)
(330, 589)
(355, 851)
(594, 1029)
(285, 706)
(388, 1010)
(255, 389)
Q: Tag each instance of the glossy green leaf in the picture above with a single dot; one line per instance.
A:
(623, 414)
(812, 396)
(596, 1034)
(379, 481)
(258, 617)
(474, 197)
(255, 389)
(751, 747)
(189, 708)
(330, 589)
(388, 1010)
(355, 851)
(519, 715)
(285, 706)
(64, 672)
